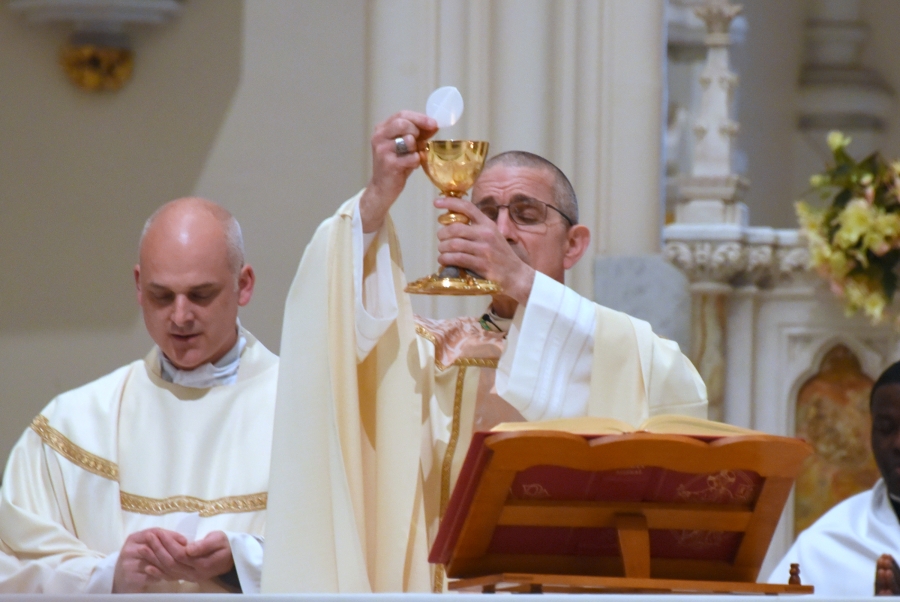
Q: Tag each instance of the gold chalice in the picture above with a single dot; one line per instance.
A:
(453, 166)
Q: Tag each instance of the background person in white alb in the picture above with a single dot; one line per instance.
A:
(155, 476)
(853, 545)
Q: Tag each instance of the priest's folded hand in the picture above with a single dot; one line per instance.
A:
(210, 557)
(154, 555)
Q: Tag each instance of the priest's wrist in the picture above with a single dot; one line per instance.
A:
(519, 286)
(372, 209)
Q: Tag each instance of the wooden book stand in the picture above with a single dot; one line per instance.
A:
(537, 511)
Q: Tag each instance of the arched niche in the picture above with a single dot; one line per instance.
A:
(832, 414)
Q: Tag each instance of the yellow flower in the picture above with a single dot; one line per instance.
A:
(809, 218)
(874, 305)
(887, 224)
(837, 140)
(839, 265)
(819, 180)
(882, 235)
(856, 293)
(855, 220)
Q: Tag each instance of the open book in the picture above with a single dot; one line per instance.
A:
(663, 424)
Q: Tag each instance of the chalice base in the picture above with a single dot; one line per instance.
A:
(453, 281)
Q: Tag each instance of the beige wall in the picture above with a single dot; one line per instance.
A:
(259, 105)
(768, 64)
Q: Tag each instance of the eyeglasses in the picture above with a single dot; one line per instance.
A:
(522, 211)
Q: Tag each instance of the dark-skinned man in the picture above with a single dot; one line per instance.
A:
(383, 416)
(854, 544)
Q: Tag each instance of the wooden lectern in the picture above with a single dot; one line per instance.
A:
(553, 511)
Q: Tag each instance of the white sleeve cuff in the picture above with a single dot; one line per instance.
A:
(247, 551)
(101, 581)
(546, 368)
(375, 297)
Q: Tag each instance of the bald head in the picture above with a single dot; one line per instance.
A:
(178, 217)
(191, 280)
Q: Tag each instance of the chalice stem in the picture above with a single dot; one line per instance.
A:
(451, 271)
(452, 217)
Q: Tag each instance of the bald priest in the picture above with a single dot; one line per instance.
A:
(155, 476)
(381, 418)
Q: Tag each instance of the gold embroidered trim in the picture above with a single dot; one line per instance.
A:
(185, 503)
(75, 454)
(427, 335)
(422, 332)
(437, 586)
(477, 362)
(447, 465)
(463, 361)
(135, 503)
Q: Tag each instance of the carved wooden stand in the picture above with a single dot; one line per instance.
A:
(483, 503)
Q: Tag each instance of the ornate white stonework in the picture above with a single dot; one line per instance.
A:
(731, 256)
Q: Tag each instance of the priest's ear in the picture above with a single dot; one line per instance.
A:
(578, 239)
(137, 282)
(246, 280)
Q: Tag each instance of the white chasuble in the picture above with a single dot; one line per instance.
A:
(375, 436)
(837, 553)
(130, 451)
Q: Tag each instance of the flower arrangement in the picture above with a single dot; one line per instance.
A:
(854, 241)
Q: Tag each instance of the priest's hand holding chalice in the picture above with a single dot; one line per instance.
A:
(452, 165)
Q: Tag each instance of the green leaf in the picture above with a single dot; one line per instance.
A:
(888, 265)
(842, 198)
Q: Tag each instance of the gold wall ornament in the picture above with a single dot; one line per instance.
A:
(98, 54)
(96, 68)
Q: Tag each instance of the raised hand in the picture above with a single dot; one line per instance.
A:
(390, 169)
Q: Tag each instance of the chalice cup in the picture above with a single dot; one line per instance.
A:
(453, 166)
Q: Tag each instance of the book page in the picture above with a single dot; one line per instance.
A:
(675, 424)
(664, 424)
(583, 425)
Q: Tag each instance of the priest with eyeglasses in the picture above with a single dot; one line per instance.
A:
(380, 420)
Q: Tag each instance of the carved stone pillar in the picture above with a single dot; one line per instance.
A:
(727, 262)
(836, 91)
(707, 240)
